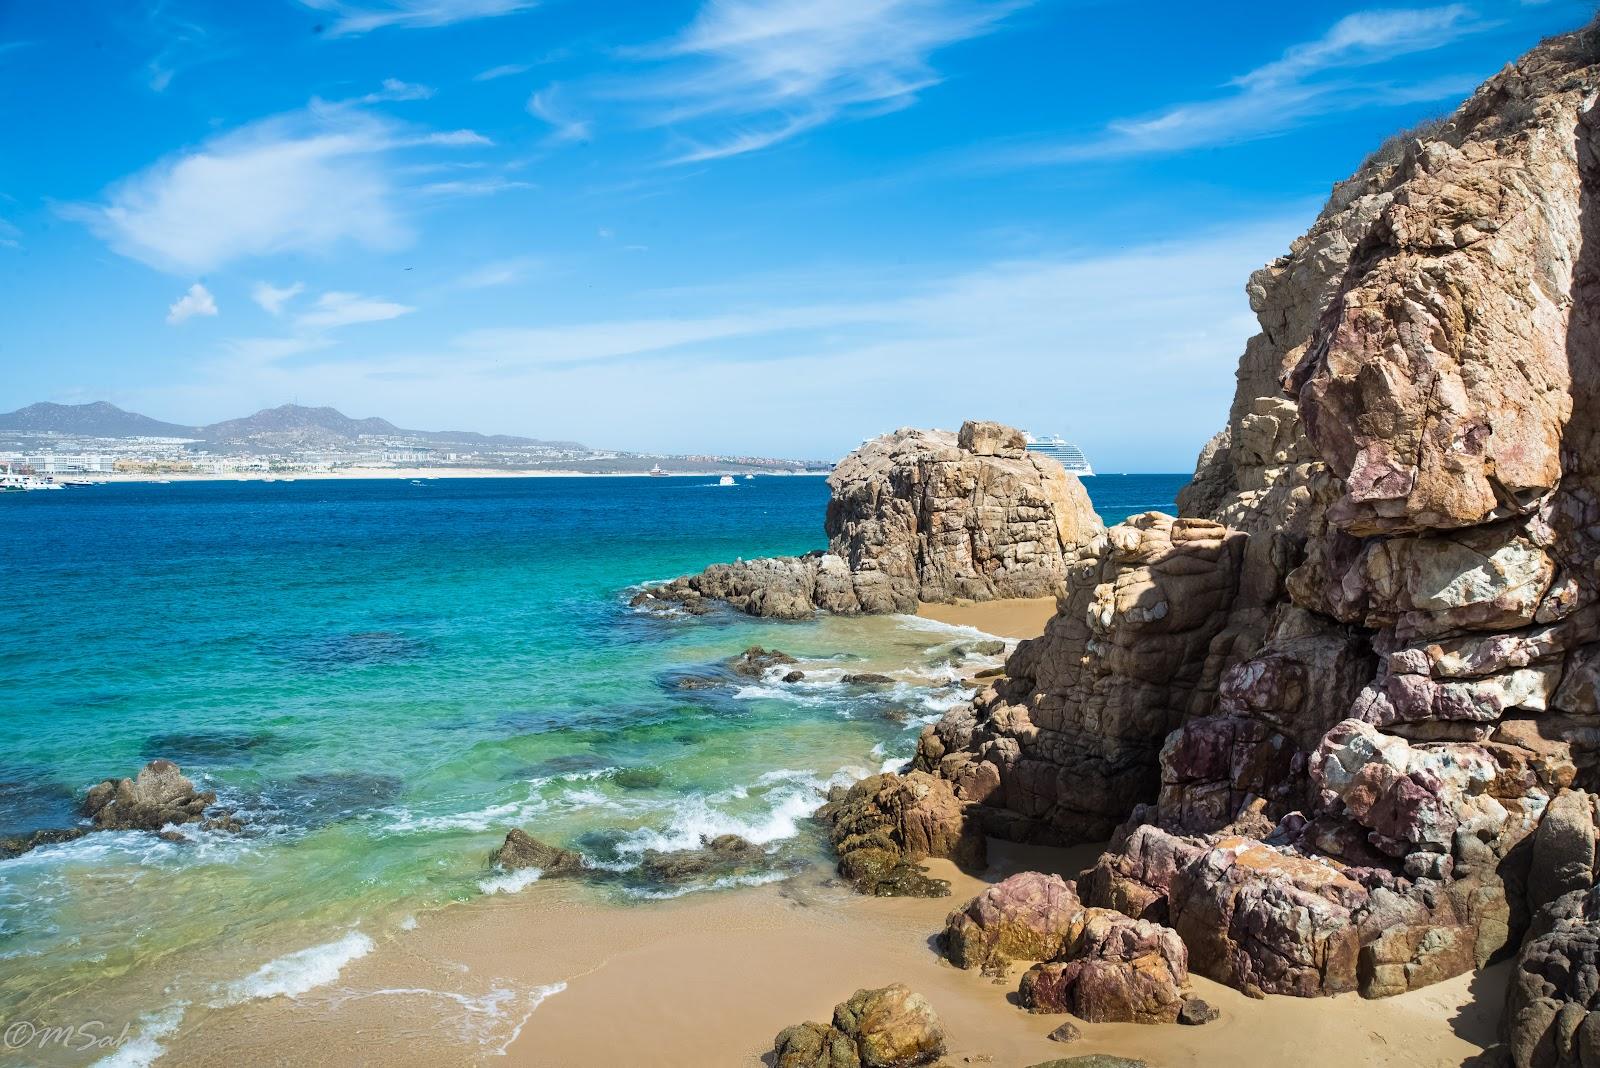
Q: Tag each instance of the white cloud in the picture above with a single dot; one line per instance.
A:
(273, 298)
(1062, 324)
(504, 70)
(352, 18)
(197, 301)
(1303, 83)
(542, 105)
(751, 73)
(498, 273)
(10, 236)
(397, 90)
(335, 309)
(301, 183)
(472, 187)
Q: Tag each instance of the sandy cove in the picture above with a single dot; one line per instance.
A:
(561, 974)
(710, 979)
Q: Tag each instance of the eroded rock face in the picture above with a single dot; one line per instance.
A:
(891, 1027)
(917, 515)
(1551, 1018)
(1341, 719)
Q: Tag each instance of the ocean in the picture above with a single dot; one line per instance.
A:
(382, 677)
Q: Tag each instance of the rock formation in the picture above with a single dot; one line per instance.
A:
(158, 798)
(1341, 717)
(883, 826)
(521, 850)
(917, 515)
(886, 1028)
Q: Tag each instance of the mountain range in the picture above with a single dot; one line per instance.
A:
(286, 424)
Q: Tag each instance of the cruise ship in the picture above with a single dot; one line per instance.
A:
(1070, 456)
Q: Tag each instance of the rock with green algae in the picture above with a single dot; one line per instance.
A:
(522, 850)
(1092, 1060)
(890, 1027)
(895, 822)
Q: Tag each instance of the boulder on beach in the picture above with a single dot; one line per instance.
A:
(885, 825)
(521, 850)
(890, 1027)
(1029, 916)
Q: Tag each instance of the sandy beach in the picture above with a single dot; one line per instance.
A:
(558, 976)
(564, 973)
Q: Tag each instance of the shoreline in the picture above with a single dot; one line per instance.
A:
(566, 973)
(398, 473)
(558, 975)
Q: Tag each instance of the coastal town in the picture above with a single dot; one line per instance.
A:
(55, 444)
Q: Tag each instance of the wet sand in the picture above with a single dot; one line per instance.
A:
(1017, 618)
(710, 979)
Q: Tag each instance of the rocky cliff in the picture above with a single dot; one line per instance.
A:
(918, 515)
(1329, 715)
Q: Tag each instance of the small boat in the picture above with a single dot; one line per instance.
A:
(747, 478)
(725, 480)
(656, 472)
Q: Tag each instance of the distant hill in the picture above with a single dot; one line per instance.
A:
(286, 424)
(99, 420)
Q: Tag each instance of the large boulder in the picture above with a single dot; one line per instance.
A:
(1116, 970)
(159, 796)
(917, 515)
(1563, 849)
(890, 1027)
(886, 824)
(1029, 916)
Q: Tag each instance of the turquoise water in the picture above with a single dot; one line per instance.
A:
(383, 677)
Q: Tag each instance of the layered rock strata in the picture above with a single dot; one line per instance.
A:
(1340, 717)
(917, 515)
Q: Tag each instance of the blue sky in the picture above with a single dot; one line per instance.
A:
(761, 226)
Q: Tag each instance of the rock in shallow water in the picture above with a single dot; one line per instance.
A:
(521, 850)
(885, 824)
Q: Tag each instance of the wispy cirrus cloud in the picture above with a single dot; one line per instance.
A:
(748, 74)
(1308, 80)
(545, 104)
(355, 18)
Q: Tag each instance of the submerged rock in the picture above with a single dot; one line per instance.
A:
(521, 850)
(755, 661)
(726, 854)
(866, 678)
(890, 1027)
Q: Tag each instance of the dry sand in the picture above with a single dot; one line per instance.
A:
(710, 979)
(1020, 618)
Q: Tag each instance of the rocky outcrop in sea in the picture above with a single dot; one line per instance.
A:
(1336, 715)
(917, 515)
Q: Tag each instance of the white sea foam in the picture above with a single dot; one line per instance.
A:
(298, 972)
(923, 623)
(510, 882)
(790, 797)
(144, 1048)
(727, 882)
(493, 1020)
(408, 924)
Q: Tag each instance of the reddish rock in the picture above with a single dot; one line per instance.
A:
(1030, 916)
